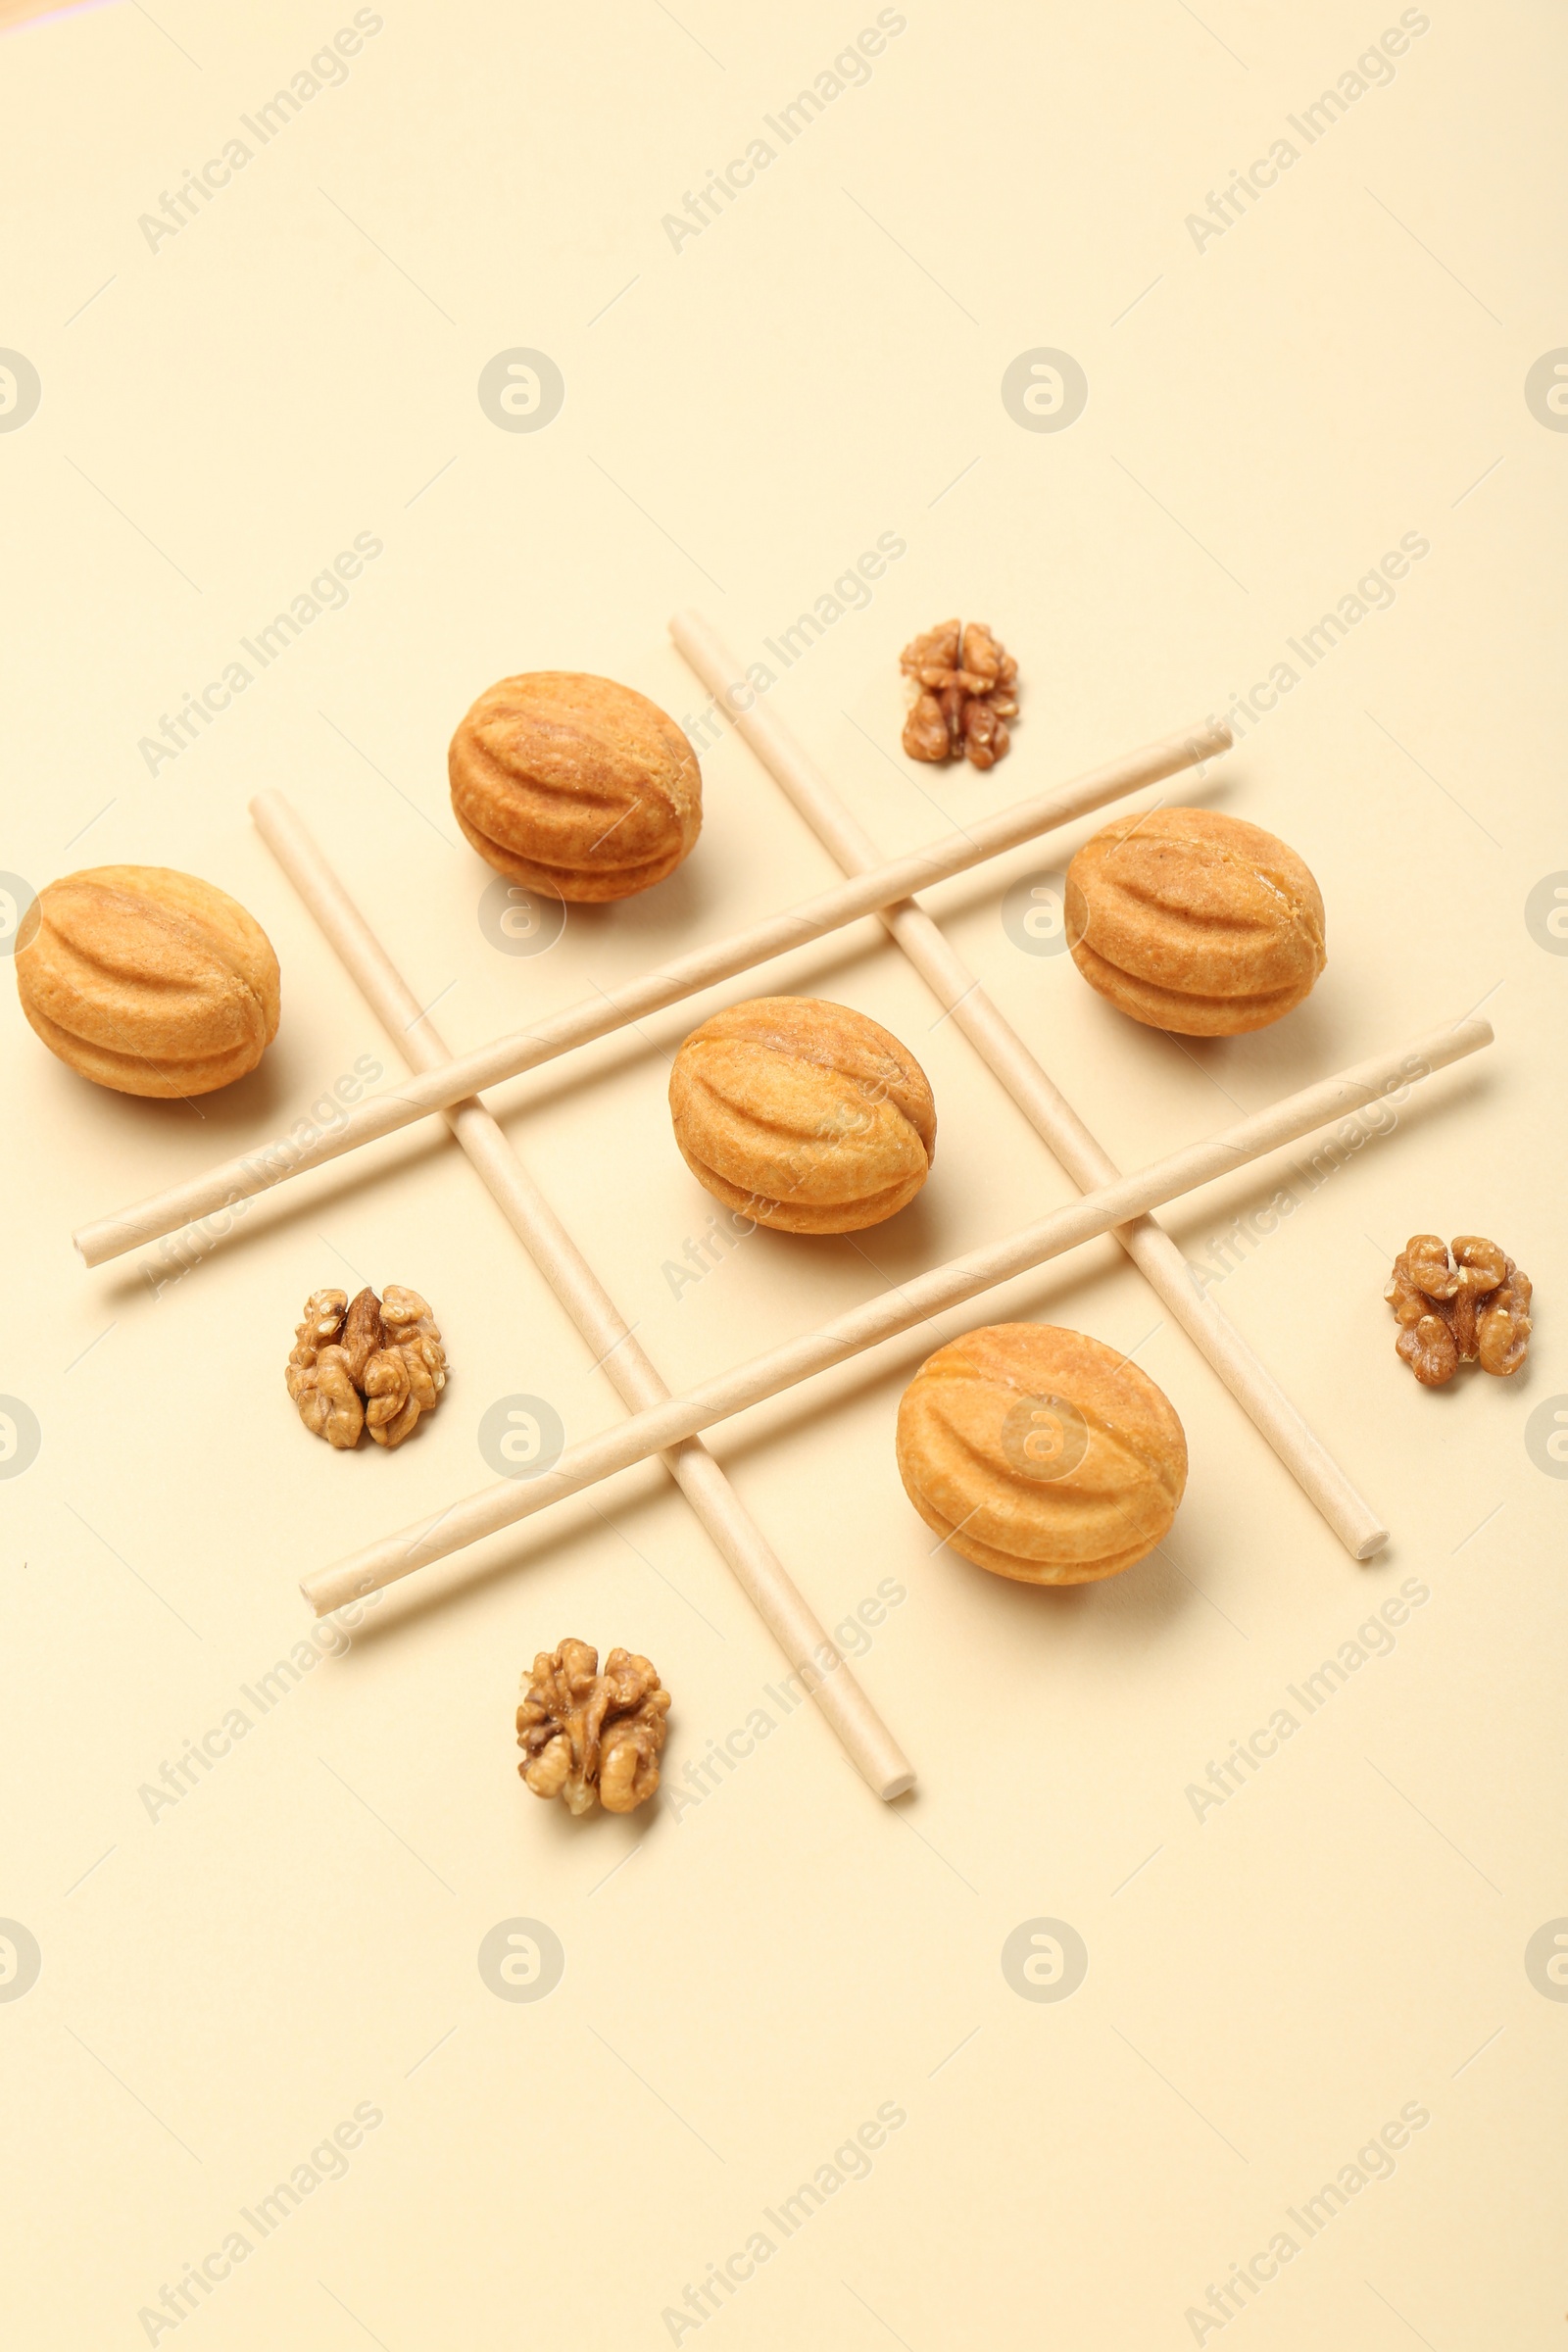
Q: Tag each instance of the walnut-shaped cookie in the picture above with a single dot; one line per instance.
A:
(803, 1115)
(1041, 1454)
(372, 1363)
(590, 1737)
(147, 981)
(1195, 922)
(574, 785)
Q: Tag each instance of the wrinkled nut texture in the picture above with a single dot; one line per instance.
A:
(802, 1114)
(1502, 1327)
(1479, 1265)
(1428, 1347)
(1195, 922)
(1041, 1454)
(965, 686)
(375, 1364)
(1470, 1306)
(1428, 1266)
(574, 785)
(147, 981)
(592, 1737)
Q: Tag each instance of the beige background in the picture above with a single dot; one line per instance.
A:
(223, 1984)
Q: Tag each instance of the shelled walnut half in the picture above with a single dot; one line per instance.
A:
(1472, 1306)
(588, 1737)
(965, 687)
(376, 1363)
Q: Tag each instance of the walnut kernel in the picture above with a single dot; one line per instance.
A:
(965, 686)
(375, 1364)
(1472, 1306)
(588, 1737)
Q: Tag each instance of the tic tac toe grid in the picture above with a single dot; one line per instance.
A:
(713, 1499)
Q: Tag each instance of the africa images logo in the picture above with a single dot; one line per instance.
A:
(522, 390)
(523, 1960)
(19, 390)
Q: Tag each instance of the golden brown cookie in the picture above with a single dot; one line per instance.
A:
(580, 788)
(1195, 922)
(1041, 1454)
(148, 981)
(803, 1115)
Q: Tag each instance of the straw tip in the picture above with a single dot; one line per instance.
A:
(1370, 1545)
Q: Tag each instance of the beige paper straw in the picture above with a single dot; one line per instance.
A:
(759, 1572)
(257, 1171)
(485, 1514)
(1147, 1243)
